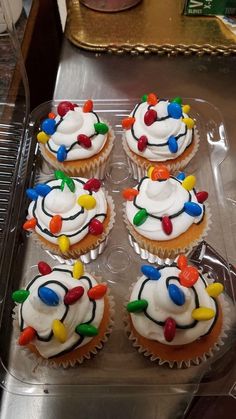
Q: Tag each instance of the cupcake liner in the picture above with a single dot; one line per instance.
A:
(228, 319)
(91, 167)
(152, 253)
(138, 168)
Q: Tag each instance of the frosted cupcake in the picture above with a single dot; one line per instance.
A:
(175, 315)
(159, 131)
(164, 214)
(64, 314)
(70, 216)
(76, 140)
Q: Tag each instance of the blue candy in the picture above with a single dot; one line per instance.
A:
(61, 153)
(43, 189)
(49, 126)
(32, 194)
(192, 209)
(172, 144)
(174, 110)
(48, 296)
(176, 295)
(181, 176)
(150, 272)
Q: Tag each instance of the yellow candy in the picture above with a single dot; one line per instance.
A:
(203, 313)
(59, 331)
(78, 269)
(87, 201)
(63, 243)
(213, 290)
(189, 122)
(42, 137)
(186, 109)
(150, 170)
(189, 182)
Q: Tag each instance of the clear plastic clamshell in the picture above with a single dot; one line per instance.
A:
(118, 366)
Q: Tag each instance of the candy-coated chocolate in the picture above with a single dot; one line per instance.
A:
(144, 98)
(32, 194)
(182, 262)
(95, 227)
(137, 306)
(172, 144)
(193, 209)
(63, 243)
(49, 126)
(48, 296)
(51, 115)
(64, 107)
(150, 117)
(30, 224)
(26, 336)
(59, 331)
(85, 329)
(87, 201)
(42, 189)
(181, 176)
(97, 292)
(160, 172)
(178, 100)
(201, 196)
(189, 182)
(73, 295)
(42, 137)
(44, 268)
(169, 329)
(186, 108)
(101, 128)
(189, 122)
(149, 172)
(20, 296)
(92, 185)
(176, 295)
(84, 141)
(188, 276)
(129, 194)
(142, 143)
(55, 224)
(140, 217)
(78, 269)
(61, 153)
(174, 110)
(215, 289)
(151, 272)
(69, 182)
(88, 106)
(203, 314)
(167, 225)
(152, 99)
(59, 175)
(127, 123)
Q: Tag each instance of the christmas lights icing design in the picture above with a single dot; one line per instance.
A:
(60, 309)
(66, 209)
(75, 133)
(158, 129)
(162, 207)
(174, 304)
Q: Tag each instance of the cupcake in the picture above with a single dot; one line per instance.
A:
(159, 131)
(164, 214)
(63, 315)
(70, 216)
(76, 141)
(175, 315)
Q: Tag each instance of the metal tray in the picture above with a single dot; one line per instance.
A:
(118, 367)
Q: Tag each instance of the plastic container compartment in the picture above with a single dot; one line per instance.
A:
(118, 366)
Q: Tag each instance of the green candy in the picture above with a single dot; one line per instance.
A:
(20, 296)
(144, 98)
(177, 99)
(59, 174)
(69, 182)
(137, 306)
(101, 128)
(140, 217)
(84, 329)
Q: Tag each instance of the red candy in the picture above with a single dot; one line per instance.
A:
(169, 329)
(26, 336)
(129, 194)
(55, 224)
(73, 295)
(88, 106)
(150, 117)
(98, 291)
(127, 123)
(30, 224)
(142, 143)
(182, 262)
(201, 196)
(160, 172)
(84, 141)
(64, 107)
(44, 268)
(167, 225)
(188, 276)
(92, 185)
(152, 99)
(51, 115)
(95, 227)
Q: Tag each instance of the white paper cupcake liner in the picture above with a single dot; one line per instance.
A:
(138, 169)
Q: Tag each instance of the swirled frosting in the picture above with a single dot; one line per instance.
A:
(150, 322)
(35, 313)
(158, 133)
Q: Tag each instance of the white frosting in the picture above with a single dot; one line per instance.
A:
(162, 199)
(160, 307)
(158, 133)
(74, 123)
(64, 203)
(40, 316)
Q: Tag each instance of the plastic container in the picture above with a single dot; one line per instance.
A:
(118, 367)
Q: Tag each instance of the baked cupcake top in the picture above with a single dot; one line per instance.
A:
(162, 207)
(65, 210)
(173, 305)
(75, 133)
(60, 309)
(159, 129)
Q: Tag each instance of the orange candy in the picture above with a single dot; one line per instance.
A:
(88, 106)
(160, 172)
(98, 291)
(127, 123)
(51, 115)
(152, 99)
(30, 224)
(129, 194)
(55, 224)
(26, 336)
(188, 276)
(182, 262)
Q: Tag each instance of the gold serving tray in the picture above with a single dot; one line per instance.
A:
(153, 26)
